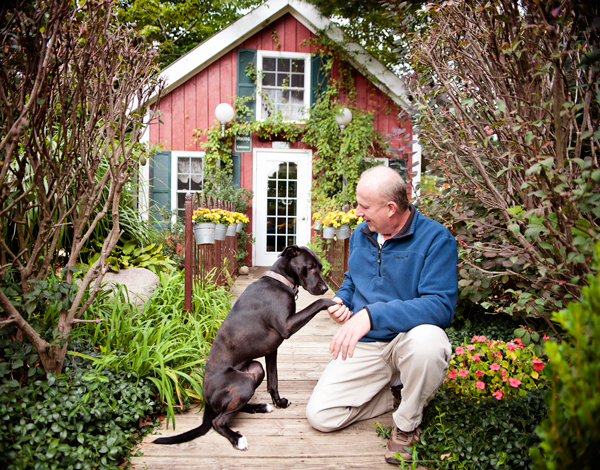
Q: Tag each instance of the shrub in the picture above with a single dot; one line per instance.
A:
(80, 419)
(571, 433)
(480, 433)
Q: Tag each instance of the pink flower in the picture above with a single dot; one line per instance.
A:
(538, 365)
(482, 339)
(480, 385)
(497, 395)
(463, 372)
(504, 379)
(503, 373)
(511, 346)
(476, 357)
(452, 374)
(474, 338)
(479, 373)
(514, 382)
(495, 366)
(470, 347)
(460, 350)
(499, 354)
(545, 337)
(491, 343)
(519, 342)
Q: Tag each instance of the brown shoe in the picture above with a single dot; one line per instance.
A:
(401, 443)
(396, 392)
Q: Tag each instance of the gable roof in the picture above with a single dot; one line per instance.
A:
(236, 33)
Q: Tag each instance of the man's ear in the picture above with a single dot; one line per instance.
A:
(291, 251)
(392, 208)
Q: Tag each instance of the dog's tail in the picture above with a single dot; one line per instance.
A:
(201, 430)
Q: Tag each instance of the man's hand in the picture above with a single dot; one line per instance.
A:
(348, 335)
(339, 313)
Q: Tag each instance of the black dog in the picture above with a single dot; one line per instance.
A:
(263, 316)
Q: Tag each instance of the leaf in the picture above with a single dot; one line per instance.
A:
(129, 247)
(514, 228)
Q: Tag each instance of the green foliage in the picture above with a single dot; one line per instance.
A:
(509, 119)
(480, 433)
(571, 433)
(131, 255)
(83, 418)
(178, 26)
(162, 343)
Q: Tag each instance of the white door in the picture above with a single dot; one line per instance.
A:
(281, 202)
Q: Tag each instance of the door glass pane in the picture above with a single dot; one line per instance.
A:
(271, 207)
(282, 205)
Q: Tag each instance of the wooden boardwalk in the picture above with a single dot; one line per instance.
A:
(282, 439)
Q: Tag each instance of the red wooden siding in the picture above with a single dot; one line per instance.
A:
(191, 106)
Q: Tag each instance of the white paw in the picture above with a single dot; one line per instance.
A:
(242, 443)
(270, 409)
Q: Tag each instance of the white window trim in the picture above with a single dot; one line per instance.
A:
(283, 55)
(175, 154)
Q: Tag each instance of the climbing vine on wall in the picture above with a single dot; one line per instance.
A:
(339, 158)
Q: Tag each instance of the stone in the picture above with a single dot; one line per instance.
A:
(140, 284)
(244, 270)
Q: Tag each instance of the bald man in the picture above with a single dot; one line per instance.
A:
(397, 298)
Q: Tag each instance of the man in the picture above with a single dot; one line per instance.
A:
(397, 297)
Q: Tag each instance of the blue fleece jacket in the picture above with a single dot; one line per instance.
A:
(411, 280)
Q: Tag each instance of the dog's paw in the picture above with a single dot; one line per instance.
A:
(283, 403)
(242, 443)
(269, 408)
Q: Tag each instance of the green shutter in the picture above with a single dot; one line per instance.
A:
(160, 186)
(245, 84)
(236, 176)
(319, 76)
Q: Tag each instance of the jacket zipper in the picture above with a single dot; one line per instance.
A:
(379, 248)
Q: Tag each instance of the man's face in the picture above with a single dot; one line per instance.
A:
(372, 210)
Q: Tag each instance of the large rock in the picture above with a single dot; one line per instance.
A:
(140, 283)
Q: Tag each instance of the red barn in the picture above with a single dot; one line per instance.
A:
(276, 38)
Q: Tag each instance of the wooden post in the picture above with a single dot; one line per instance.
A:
(189, 253)
(346, 255)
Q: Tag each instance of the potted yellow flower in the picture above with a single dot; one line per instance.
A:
(317, 218)
(241, 221)
(204, 224)
(224, 220)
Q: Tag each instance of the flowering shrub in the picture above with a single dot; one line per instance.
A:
(337, 218)
(494, 368)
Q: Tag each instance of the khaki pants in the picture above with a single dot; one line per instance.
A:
(359, 387)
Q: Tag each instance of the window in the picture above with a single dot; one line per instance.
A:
(283, 84)
(188, 176)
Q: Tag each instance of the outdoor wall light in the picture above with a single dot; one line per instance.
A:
(343, 119)
(224, 114)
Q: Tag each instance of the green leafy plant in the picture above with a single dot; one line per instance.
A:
(571, 432)
(131, 255)
(84, 418)
(162, 343)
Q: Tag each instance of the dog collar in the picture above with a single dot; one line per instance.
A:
(282, 279)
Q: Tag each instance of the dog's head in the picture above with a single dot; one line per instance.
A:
(305, 268)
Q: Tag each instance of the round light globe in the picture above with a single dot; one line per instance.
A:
(224, 113)
(344, 118)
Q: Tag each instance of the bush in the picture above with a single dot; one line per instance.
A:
(571, 433)
(83, 418)
(480, 433)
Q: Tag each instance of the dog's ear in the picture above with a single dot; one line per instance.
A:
(291, 251)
